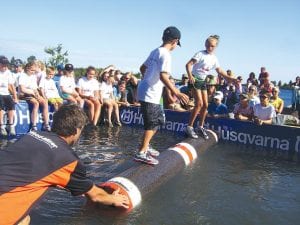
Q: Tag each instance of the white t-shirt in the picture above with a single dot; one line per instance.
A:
(49, 87)
(68, 83)
(28, 81)
(6, 79)
(106, 90)
(88, 87)
(264, 112)
(150, 88)
(204, 64)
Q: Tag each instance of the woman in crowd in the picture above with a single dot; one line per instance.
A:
(252, 95)
(88, 89)
(276, 101)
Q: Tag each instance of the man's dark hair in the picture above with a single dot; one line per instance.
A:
(67, 119)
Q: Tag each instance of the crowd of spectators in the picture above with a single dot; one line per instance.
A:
(255, 100)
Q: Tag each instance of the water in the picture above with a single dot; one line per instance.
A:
(226, 185)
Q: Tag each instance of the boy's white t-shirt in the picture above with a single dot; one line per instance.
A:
(150, 88)
(205, 63)
(68, 83)
(264, 112)
(88, 87)
(49, 87)
(6, 78)
(28, 81)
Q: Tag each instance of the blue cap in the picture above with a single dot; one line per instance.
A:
(171, 33)
(60, 67)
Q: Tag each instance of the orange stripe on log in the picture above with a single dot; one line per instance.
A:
(186, 150)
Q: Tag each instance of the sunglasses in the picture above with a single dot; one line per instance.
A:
(263, 96)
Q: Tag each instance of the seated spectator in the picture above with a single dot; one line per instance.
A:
(88, 89)
(49, 90)
(217, 108)
(60, 72)
(252, 80)
(7, 102)
(238, 85)
(253, 95)
(276, 101)
(183, 84)
(211, 86)
(170, 100)
(242, 110)
(263, 75)
(106, 89)
(120, 94)
(230, 97)
(18, 70)
(131, 87)
(264, 112)
(266, 85)
(67, 86)
(28, 90)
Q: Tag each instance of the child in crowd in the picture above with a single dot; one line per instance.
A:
(120, 93)
(242, 110)
(252, 95)
(88, 88)
(216, 108)
(7, 102)
(277, 102)
(67, 86)
(28, 90)
(49, 90)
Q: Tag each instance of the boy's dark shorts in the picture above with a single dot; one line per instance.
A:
(199, 85)
(153, 115)
(6, 102)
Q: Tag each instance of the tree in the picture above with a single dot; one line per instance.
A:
(31, 58)
(57, 56)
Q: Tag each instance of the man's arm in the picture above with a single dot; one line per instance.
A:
(98, 195)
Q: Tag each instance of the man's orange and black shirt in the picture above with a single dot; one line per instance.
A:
(30, 166)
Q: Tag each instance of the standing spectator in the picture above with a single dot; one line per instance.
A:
(40, 161)
(67, 86)
(242, 110)
(296, 96)
(277, 102)
(252, 80)
(49, 90)
(88, 88)
(216, 108)
(131, 87)
(263, 74)
(198, 67)
(7, 102)
(267, 84)
(28, 90)
(156, 71)
(120, 94)
(238, 85)
(264, 112)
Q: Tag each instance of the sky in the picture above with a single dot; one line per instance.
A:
(253, 33)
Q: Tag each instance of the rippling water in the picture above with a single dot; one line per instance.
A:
(226, 185)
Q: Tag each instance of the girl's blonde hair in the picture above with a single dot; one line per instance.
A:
(213, 37)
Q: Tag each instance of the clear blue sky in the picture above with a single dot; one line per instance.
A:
(253, 33)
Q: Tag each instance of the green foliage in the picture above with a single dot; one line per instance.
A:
(31, 58)
(57, 55)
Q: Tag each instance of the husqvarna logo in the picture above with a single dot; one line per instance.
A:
(130, 117)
